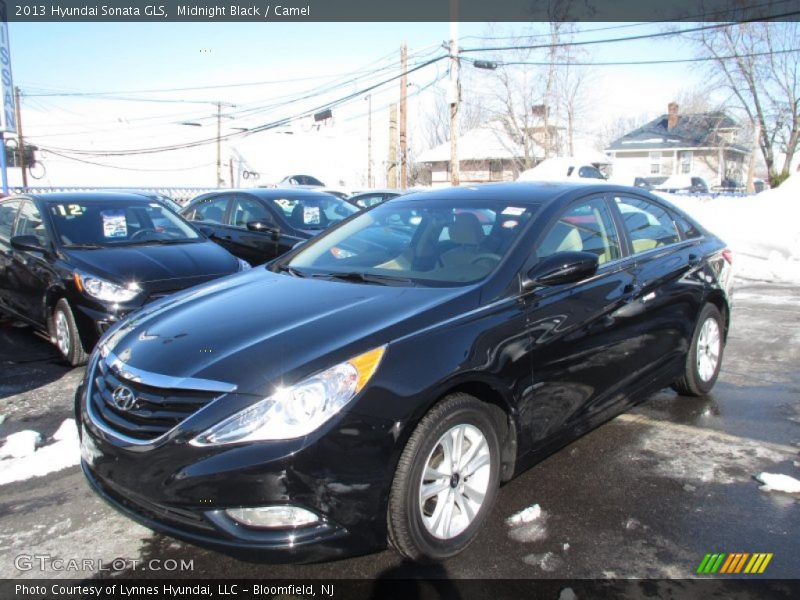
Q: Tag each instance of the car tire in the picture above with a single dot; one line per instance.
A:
(444, 524)
(66, 336)
(704, 358)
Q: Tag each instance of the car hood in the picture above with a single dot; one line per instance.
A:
(254, 328)
(153, 265)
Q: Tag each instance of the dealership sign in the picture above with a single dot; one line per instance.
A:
(8, 120)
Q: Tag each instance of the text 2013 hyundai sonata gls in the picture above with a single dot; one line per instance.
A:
(378, 383)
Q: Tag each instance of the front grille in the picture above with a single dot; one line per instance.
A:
(153, 413)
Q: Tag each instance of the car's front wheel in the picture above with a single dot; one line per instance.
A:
(446, 480)
(66, 336)
(704, 358)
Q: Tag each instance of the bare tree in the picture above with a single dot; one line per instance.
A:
(756, 62)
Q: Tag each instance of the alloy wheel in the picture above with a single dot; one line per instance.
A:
(63, 338)
(708, 349)
(455, 481)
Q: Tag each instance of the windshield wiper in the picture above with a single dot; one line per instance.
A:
(87, 246)
(159, 242)
(365, 277)
(291, 271)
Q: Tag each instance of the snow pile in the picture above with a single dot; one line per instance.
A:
(763, 230)
(21, 444)
(528, 525)
(547, 561)
(64, 452)
(774, 482)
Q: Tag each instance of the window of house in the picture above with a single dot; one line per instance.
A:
(685, 161)
(496, 169)
(655, 163)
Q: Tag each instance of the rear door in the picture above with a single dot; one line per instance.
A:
(32, 271)
(8, 285)
(667, 295)
(583, 349)
(254, 246)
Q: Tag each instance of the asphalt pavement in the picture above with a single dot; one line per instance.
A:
(646, 495)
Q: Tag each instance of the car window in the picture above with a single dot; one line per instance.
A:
(590, 173)
(8, 212)
(649, 226)
(246, 210)
(116, 222)
(319, 211)
(585, 227)
(446, 242)
(371, 200)
(29, 222)
(686, 227)
(211, 211)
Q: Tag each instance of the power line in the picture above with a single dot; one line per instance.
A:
(639, 62)
(631, 38)
(260, 128)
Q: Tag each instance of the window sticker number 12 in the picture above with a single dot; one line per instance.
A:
(70, 210)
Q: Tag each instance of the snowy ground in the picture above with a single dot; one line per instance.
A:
(763, 230)
(646, 495)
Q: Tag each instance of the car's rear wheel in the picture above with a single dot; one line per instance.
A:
(704, 358)
(446, 480)
(66, 336)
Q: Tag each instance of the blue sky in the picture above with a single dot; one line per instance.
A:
(123, 57)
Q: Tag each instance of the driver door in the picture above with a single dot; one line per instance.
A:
(581, 343)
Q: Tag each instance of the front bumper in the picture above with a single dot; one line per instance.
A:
(341, 475)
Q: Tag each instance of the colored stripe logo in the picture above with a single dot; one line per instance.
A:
(734, 563)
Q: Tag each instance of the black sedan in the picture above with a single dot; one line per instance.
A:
(71, 265)
(261, 223)
(332, 401)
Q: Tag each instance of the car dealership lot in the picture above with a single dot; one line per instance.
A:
(648, 494)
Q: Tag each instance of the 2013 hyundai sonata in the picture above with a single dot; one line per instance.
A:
(379, 383)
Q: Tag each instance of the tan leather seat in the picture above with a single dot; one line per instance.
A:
(466, 232)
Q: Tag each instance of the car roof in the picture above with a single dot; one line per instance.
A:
(270, 193)
(520, 192)
(91, 196)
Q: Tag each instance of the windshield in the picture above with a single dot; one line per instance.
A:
(117, 222)
(319, 211)
(414, 242)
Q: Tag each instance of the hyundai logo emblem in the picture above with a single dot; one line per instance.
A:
(123, 397)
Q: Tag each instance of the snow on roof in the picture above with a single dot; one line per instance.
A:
(482, 143)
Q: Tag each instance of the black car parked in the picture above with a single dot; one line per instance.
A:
(259, 224)
(353, 392)
(73, 264)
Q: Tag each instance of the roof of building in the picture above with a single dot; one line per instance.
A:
(691, 131)
(486, 142)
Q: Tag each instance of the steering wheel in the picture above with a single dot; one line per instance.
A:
(142, 233)
(485, 256)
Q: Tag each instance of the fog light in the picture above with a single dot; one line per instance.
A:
(272, 517)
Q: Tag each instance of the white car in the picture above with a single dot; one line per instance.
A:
(561, 169)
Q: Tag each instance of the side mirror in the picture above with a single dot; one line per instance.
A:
(264, 226)
(27, 243)
(560, 268)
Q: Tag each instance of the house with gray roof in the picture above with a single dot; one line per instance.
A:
(703, 145)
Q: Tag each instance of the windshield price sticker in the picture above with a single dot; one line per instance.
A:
(513, 210)
(69, 210)
(311, 215)
(114, 224)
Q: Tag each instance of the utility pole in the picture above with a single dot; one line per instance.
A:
(751, 169)
(219, 144)
(403, 117)
(455, 94)
(369, 143)
(391, 171)
(20, 141)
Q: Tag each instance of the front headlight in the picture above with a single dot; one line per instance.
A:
(298, 410)
(105, 290)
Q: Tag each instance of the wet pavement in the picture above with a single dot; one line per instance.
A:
(645, 495)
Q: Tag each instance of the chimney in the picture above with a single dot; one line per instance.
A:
(672, 115)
